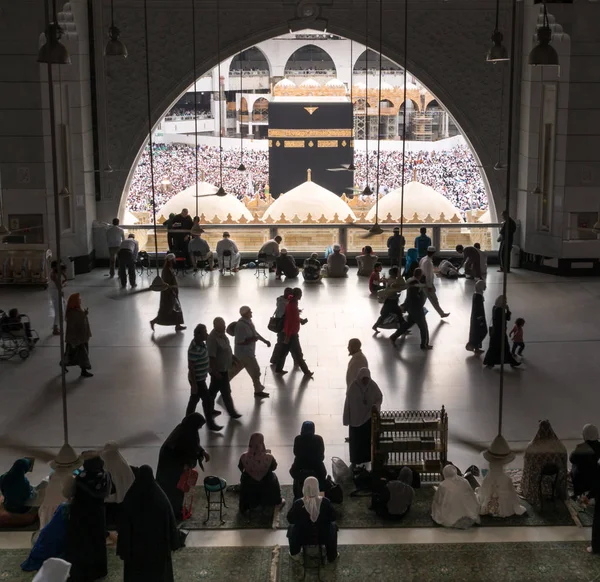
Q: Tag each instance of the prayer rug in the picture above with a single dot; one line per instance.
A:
(354, 512)
(206, 564)
(477, 562)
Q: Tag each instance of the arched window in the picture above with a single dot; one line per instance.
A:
(251, 61)
(433, 107)
(359, 104)
(310, 60)
(370, 60)
(260, 111)
(244, 106)
(385, 104)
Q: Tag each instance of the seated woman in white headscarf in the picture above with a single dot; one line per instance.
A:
(585, 471)
(362, 395)
(455, 503)
(312, 520)
(545, 450)
(394, 498)
(497, 495)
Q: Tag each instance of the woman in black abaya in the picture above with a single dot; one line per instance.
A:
(86, 526)
(478, 325)
(493, 356)
(180, 452)
(147, 531)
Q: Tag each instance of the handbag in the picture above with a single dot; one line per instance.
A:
(333, 491)
(275, 324)
(187, 480)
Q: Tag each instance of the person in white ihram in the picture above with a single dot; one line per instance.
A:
(226, 244)
(271, 251)
(426, 265)
(357, 361)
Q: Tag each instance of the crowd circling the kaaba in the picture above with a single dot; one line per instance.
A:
(453, 173)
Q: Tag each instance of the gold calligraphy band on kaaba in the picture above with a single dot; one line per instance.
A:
(311, 133)
(327, 143)
(293, 144)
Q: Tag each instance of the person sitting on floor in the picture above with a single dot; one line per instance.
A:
(312, 520)
(376, 281)
(455, 503)
(258, 484)
(336, 263)
(448, 270)
(394, 498)
(366, 262)
(16, 489)
(545, 450)
(585, 471)
(312, 269)
(286, 265)
(309, 453)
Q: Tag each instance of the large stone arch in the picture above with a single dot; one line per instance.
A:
(451, 64)
(263, 54)
(312, 46)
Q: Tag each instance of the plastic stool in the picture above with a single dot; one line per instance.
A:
(214, 484)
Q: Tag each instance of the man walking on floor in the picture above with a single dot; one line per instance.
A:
(426, 266)
(291, 328)
(246, 337)
(221, 360)
(115, 235)
(198, 365)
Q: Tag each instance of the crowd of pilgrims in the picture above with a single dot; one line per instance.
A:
(452, 172)
(85, 496)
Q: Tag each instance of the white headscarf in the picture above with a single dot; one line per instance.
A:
(590, 433)
(120, 472)
(312, 499)
(53, 570)
(454, 501)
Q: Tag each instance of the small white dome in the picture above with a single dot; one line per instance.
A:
(210, 206)
(419, 199)
(310, 83)
(334, 83)
(309, 198)
(285, 84)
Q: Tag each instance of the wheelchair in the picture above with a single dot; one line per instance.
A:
(16, 336)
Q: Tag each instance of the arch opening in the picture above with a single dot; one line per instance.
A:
(255, 112)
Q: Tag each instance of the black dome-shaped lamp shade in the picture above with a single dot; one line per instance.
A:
(543, 54)
(54, 52)
(498, 52)
(115, 47)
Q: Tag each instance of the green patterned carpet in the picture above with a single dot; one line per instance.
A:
(354, 513)
(190, 564)
(501, 562)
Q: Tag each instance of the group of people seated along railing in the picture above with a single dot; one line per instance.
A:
(73, 501)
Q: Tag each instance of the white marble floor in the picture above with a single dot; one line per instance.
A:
(140, 381)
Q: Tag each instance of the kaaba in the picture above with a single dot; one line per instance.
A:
(305, 135)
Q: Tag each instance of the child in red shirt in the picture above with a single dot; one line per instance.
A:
(517, 336)
(376, 281)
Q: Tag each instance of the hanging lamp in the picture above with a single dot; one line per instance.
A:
(498, 51)
(404, 130)
(53, 52)
(158, 283)
(221, 191)
(241, 167)
(543, 54)
(367, 191)
(376, 229)
(114, 47)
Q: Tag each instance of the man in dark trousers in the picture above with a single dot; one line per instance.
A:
(413, 305)
(506, 238)
(180, 232)
(128, 252)
(395, 245)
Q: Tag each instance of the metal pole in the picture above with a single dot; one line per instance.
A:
(57, 234)
(195, 98)
(511, 83)
(404, 129)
